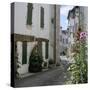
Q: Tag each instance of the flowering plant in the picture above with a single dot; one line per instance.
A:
(79, 68)
(83, 35)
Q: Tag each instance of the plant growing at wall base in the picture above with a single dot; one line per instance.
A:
(78, 69)
(35, 60)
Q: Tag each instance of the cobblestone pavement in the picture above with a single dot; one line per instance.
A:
(55, 76)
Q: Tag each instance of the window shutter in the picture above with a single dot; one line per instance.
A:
(29, 13)
(42, 17)
(46, 55)
(40, 47)
(66, 41)
(63, 40)
(24, 53)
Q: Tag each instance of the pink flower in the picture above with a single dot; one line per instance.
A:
(83, 35)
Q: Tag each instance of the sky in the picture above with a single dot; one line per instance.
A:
(63, 16)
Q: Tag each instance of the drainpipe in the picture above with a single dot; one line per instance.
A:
(79, 18)
(54, 35)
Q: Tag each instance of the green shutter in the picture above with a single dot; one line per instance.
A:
(40, 47)
(42, 17)
(24, 53)
(29, 13)
(46, 55)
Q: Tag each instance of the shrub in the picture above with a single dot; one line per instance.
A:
(35, 61)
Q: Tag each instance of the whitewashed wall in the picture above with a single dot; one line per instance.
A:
(51, 34)
(57, 34)
(84, 18)
(33, 30)
(24, 68)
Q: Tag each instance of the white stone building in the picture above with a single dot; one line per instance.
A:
(38, 27)
(84, 18)
(63, 41)
(77, 19)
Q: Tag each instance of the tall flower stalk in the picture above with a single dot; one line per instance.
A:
(78, 69)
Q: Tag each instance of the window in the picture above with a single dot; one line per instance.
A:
(42, 18)
(29, 13)
(63, 40)
(66, 41)
(24, 53)
(46, 54)
(52, 20)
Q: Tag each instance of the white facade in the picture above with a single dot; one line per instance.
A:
(63, 41)
(79, 21)
(34, 29)
(84, 18)
(21, 28)
(57, 34)
(73, 26)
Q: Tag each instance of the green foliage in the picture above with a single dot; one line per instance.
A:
(35, 61)
(78, 70)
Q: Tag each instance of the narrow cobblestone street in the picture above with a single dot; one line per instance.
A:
(55, 76)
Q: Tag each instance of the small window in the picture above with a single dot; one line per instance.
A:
(66, 41)
(29, 13)
(24, 53)
(42, 18)
(63, 40)
(52, 20)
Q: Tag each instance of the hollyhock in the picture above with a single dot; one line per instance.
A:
(83, 35)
